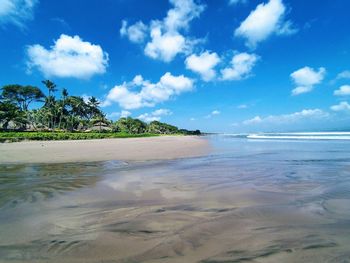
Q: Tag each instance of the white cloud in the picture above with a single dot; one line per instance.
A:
(307, 76)
(16, 12)
(165, 46)
(138, 80)
(344, 75)
(162, 112)
(306, 114)
(265, 20)
(125, 114)
(203, 64)
(343, 91)
(342, 106)
(305, 79)
(241, 66)
(212, 114)
(234, 2)
(254, 120)
(149, 94)
(136, 33)
(68, 57)
(167, 37)
(155, 115)
(302, 89)
(116, 115)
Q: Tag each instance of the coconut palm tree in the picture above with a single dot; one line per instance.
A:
(50, 86)
(50, 99)
(63, 105)
(93, 105)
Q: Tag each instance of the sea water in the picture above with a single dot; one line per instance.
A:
(254, 198)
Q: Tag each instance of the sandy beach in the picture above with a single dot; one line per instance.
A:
(126, 149)
(246, 201)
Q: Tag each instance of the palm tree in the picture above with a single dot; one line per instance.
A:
(77, 109)
(50, 99)
(63, 104)
(50, 86)
(93, 104)
(49, 105)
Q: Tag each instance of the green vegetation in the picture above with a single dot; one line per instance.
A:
(48, 136)
(66, 117)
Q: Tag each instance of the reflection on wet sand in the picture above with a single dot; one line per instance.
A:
(271, 205)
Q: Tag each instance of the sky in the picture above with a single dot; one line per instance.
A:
(214, 65)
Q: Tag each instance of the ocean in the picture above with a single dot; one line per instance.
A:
(275, 197)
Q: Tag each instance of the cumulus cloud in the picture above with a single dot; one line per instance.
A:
(155, 115)
(165, 46)
(305, 79)
(267, 19)
(167, 37)
(136, 33)
(241, 66)
(68, 57)
(307, 76)
(149, 94)
(343, 91)
(342, 106)
(203, 64)
(16, 12)
(305, 114)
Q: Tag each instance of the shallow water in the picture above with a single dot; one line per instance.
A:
(248, 201)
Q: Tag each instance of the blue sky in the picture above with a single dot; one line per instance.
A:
(223, 65)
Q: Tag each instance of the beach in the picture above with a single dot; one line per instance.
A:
(242, 201)
(125, 149)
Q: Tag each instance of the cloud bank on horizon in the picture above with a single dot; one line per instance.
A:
(194, 59)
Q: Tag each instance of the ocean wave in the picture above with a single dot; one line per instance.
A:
(302, 136)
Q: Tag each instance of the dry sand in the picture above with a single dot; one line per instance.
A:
(125, 149)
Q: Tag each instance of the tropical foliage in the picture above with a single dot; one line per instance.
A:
(48, 136)
(58, 116)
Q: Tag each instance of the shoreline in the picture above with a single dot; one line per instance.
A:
(121, 149)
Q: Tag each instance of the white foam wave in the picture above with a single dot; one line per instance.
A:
(303, 136)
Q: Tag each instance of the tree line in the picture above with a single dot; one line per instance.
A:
(66, 113)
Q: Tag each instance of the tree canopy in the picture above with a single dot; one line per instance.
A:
(22, 96)
(66, 113)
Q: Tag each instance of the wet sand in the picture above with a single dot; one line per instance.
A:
(127, 149)
(247, 202)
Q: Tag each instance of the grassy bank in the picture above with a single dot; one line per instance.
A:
(49, 136)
